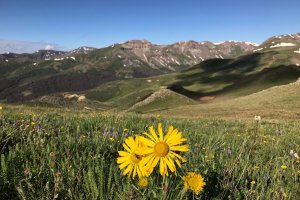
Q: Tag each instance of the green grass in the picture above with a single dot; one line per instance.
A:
(279, 102)
(64, 154)
(123, 94)
(172, 100)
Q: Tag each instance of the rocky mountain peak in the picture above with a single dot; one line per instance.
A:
(137, 44)
(82, 49)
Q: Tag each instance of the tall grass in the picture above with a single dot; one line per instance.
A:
(66, 156)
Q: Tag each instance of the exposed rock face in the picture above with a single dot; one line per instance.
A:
(183, 54)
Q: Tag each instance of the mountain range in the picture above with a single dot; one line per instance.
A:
(133, 71)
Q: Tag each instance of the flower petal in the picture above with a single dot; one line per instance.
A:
(179, 148)
(160, 132)
(152, 131)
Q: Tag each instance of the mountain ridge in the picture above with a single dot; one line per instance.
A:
(28, 76)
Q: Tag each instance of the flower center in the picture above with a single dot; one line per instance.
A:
(135, 158)
(193, 182)
(161, 149)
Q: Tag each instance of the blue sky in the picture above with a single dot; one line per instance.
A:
(98, 23)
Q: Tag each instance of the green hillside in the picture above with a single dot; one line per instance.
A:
(273, 103)
(104, 81)
(211, 81)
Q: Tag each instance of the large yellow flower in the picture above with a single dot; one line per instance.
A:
(194, 182)
(131, 159)
(161, 148)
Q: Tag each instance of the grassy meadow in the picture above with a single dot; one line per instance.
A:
(66, 154)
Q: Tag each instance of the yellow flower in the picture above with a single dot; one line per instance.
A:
(26, 172)
(131, 159)
(143, 182)
(1, 108)
(51, 154)
(158, 115)
(111, 139)
(32, 123)
(298, 171)
(161, 148)
(57, 174)
(283, 166)
(125, 129)
(194, 182)
(284, 195)
(256, 167)
(253, 182)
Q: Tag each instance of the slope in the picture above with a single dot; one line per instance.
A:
(273, 103)
(213, 80)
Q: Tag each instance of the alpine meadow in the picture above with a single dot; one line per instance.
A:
(170, 119)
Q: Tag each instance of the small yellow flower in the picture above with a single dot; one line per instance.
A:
(194, 182)
(253, 182)
(26, 172)
(32, 123)
(284, 195)
(125, 129)
(111, 139)
(238, 135)
(1, 108)
(205, 157)
(82, 136)
(298, 171)
(158, 115)
(57, 174)
(143, 182)
(51, 154)
(283, 167)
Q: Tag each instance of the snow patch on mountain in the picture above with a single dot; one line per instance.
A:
(255, 50)
(283, 44)
(297, 51)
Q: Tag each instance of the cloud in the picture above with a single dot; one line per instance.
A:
(15, 46)
(49, 47)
